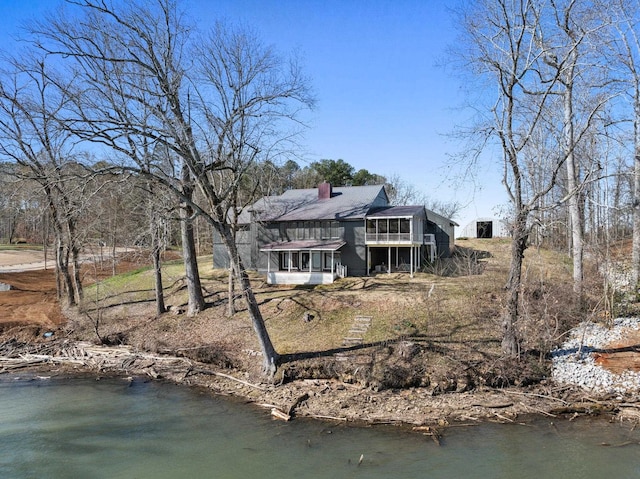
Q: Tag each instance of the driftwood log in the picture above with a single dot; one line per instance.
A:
(123, 359)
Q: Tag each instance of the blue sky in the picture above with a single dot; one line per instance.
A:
(385, 103)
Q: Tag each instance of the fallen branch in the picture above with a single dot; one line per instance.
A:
(494, 406)
(278, 414)
(331, 418)
(223, 375)
(542, 396)
(538, 410)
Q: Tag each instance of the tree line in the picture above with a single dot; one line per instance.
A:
(560, 107)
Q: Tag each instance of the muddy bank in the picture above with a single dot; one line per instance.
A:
(330, 400)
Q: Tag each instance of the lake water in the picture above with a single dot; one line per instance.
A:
(112, 429)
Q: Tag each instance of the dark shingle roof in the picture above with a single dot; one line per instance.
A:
(347, 202)
(397, 212)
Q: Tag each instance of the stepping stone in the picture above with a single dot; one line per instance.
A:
(358, 329)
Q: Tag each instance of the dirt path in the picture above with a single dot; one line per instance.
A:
(13, 261)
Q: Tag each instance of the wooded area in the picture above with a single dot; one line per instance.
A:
(120, 124)
(561, 107)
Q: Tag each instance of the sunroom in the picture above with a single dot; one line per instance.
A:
(304, 262)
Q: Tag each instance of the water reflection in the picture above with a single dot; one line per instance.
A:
(113, 429)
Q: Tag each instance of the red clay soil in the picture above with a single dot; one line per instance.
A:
(623, 355)
(31, 301)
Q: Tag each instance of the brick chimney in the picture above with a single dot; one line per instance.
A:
(324, 191)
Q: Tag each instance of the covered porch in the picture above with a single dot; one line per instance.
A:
(396, 241)
(394, 258)
(304, 262)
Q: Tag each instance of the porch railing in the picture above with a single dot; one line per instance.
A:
(388, 238)
(429, 239)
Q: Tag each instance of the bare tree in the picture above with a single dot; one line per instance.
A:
(538, 59)
(501, 48)
(626, 49)
(568, 38)
(30, 135)
(217, 103)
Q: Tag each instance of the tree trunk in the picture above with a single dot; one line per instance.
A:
(157, 274)
(189, 253)
(270, 357)
(62, 260)
(510, 342)
(77, 279)
(156, 253)
(635, 254)
(575, 212)
(194, 287)
(232, 292)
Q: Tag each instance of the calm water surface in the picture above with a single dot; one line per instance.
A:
(111, 429)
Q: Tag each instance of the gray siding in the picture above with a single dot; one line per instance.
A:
(354, 253)
(444, 238)
(287, 218)
(243, 243)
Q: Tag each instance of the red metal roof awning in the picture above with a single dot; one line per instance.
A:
(314, 245)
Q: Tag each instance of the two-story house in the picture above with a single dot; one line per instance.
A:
(312, 236)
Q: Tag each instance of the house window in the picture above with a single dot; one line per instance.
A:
(383, 226)
(330, 230)
(405, 225)
(285, 257)
(371, 227)
(327, 260)
(393, 225)
(335, 230)
(326, 230)
(291, 231)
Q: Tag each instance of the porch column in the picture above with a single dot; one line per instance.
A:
(268, 262)
(411, 232)
(310, 261)
(389, 261)
(368, 259)
(412, 265)
(289, 257)
(332, 265)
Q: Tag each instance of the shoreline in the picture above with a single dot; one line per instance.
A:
(341, 398)
(414, 409)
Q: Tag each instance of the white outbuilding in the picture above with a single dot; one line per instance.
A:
(485, 228)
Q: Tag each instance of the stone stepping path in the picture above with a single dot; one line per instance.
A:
(356, 333)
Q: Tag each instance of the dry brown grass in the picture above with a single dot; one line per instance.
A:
(455, 318)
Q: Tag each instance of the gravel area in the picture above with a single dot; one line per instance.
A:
(574, 362)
